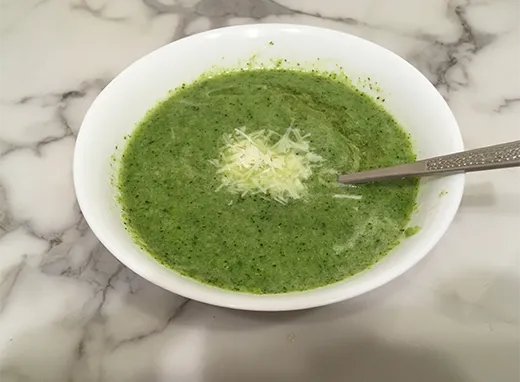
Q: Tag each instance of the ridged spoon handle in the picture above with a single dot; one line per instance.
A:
(486, 158)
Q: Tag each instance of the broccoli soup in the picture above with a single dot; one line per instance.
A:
(232, 181)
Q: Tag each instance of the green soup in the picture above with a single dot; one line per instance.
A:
(174, 207)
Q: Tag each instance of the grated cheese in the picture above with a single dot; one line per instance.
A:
(253, 164)
(347, 196)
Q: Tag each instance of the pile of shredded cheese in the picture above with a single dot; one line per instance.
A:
(257, 163)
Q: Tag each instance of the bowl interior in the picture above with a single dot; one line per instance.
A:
(409, 97)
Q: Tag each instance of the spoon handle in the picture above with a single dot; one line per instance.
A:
(486, 158)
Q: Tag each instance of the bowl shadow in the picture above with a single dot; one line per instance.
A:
(365, 358)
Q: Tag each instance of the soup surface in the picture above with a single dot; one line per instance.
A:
(178, 206)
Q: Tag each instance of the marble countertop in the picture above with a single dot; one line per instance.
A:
(69, 311)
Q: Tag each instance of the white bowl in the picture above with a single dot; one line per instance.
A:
(410, 98)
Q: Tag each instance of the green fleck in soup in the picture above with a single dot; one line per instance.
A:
(410, 231)
(232, 181)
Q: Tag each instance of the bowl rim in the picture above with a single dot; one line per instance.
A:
(286, 301)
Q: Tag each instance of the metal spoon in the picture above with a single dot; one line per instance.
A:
(486, 158)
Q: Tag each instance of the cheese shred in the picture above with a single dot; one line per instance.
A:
(266, 163)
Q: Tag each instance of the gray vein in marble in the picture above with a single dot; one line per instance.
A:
(506, 104)
(7, 284)
(60, 102)
(57, 260)
(61, 99)
(174, 314)
(82, 5)
(7, 222)
(161, 8)
(460, 52)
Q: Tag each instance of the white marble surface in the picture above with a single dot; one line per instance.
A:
(70, 312)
